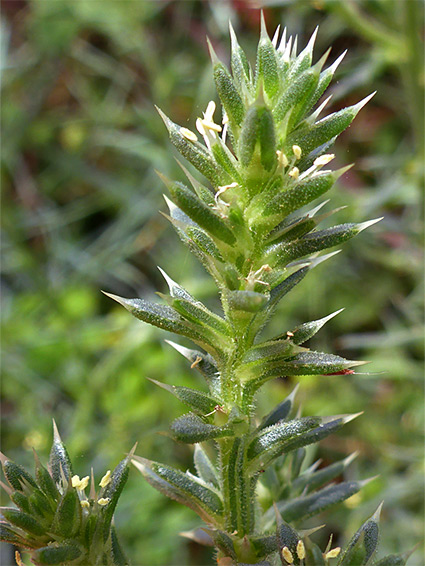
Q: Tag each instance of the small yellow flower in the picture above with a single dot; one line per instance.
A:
(80, 484)
(281, 158)
(300, 550)
(206, 125)
(188, 134)
(294, 172)
(297, 151)
(106, 479)
(333, 553)
(323, 160)
(104, 501)
(287, 555)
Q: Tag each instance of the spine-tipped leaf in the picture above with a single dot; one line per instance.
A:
(192, 429)
(60, 463)
(362, 546)
(184, 488)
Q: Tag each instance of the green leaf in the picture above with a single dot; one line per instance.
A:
(21, 501)
(204, 363)
(15, 475)
(205, 244)
(114, 489)
(60, 463)
(285, 536)
(205, 468)
(287, 285)
(313, 242)
(364, 543)
(9, 536)
(67, 519)
(392, 560)
(40, 504)
(191, 429)
(310, 505)
(198, 401)
(324, 81)
(294, 97)
(45, 481)
(227, 91)
(226, 160)
(200, 213)
(311, 480)
(166, 318)
(326, 129)
(198, 313)
(272, 350)
(307, 330)
(267, 139)
(56, 555)
(312, 363)
(194, 152)
(280, 412)
(302, 193)
(118, 556)
(313, 554)
(240, 67)
(223, 542)
(267, 66)
(23, 520)
(269, 443)
(183, 487)
(249, 136)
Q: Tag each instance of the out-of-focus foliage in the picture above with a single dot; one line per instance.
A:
(80, 213)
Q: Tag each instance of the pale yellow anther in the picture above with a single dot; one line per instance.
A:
(297, 151)
(287, 555)
(209, 112)
(106, 479)
(85, 504)
(103, 501)
(225, 120)
(211, 126)
(282, 159)
(333, 553)
(323, 160)
(222, 189)
(80, 484)
(300, 550)
(200, 126)
(188, 134)
(294, 173)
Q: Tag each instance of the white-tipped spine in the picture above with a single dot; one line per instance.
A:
(363, 225)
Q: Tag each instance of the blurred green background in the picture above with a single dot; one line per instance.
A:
(81, 141)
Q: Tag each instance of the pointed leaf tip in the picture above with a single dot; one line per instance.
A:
(357, 107)
(347, 461)
(349, 418)
(377, 515)
(120, 300)
(363, 483)
(56, 435)
(363, 225)
(214, 59)
(312, 39)
(337, 62)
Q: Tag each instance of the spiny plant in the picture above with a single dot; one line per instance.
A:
(55, 522)
(248, 225)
